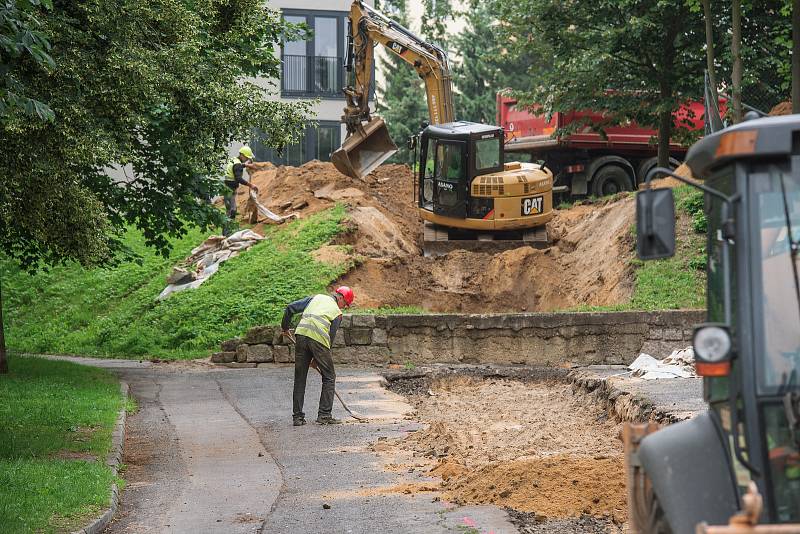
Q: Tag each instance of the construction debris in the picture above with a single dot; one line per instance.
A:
(254, 209)
(205, 260)
(679, 364)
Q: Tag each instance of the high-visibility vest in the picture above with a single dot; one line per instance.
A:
(229, 168)
(317, 319)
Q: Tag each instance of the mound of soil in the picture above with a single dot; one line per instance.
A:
(784, 108)
(588, 263)
(533, 447)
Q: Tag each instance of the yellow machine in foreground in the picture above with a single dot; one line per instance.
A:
(467, 194)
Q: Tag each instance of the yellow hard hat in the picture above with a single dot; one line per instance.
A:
(246, 151)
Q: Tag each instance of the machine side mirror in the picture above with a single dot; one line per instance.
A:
(655, 224)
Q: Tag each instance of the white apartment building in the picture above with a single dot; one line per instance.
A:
(313, 69)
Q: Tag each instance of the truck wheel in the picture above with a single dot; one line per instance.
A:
(610, 180)
(649, 163)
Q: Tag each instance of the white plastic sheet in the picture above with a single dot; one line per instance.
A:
(679, 364)
(206, 258)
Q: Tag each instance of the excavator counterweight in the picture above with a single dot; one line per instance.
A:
(369, 146)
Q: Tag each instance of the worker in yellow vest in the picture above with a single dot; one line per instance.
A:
(234, 175)
(314, 337)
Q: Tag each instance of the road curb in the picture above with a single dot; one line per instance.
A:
(113, 460)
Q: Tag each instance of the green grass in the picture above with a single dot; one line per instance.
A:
(388, 310)
(673, 283)
(113, 312)
(677, 282)
(51, 410)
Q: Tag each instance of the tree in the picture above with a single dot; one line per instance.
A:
(484, 65)
(638, 60)
(20, 37)
(22, 40)
(764, 49)
(401, 99)
(736, 53)
(156, 89)
(710, 57)
(795, 56)
(435, 16)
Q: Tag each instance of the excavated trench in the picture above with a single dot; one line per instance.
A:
(524, 439)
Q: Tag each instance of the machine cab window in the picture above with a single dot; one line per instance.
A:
(487, 154)
(449, 162)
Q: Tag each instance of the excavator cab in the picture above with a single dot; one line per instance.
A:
(451, 156)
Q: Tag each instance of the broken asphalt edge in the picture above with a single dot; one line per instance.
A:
(113, 460)
(623, 406)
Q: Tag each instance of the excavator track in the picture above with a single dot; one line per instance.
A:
(439, 240)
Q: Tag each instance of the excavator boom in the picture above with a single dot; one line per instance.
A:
(368, 143)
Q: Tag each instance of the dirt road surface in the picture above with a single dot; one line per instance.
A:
(213, 450)
(533, 446)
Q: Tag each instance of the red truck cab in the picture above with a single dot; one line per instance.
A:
(585, 162)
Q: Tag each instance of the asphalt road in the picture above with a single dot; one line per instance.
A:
(214, 450)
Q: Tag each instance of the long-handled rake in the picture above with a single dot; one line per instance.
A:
(355, 415)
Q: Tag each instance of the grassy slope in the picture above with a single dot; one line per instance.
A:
(48, 410)
(113, 312)
(680, 281)
(673, 283)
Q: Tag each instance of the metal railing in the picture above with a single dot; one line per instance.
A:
(312, 75)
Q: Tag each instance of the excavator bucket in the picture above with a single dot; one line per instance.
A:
(364, 150)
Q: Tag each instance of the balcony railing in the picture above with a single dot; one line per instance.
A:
(312, 75)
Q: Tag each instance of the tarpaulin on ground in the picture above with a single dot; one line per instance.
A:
(679, 364)
(255, 211)
(205, 260)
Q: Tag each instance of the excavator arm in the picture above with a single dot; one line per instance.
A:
(368, 143)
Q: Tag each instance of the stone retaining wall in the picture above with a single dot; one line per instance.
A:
(520, 338)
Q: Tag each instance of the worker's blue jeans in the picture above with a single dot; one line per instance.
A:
(306, 350)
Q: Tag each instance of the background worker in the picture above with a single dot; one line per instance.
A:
(234, 175)
(314, 336)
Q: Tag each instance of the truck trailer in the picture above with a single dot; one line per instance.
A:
(586, 162)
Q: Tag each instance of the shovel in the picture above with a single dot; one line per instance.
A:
(355, 415)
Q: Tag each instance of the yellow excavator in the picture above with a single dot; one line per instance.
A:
(467, 195)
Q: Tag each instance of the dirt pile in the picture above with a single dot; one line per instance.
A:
(534, 447)
(587, 264)
(382, 208)
(784, 108)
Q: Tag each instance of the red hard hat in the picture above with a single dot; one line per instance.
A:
(346, 293)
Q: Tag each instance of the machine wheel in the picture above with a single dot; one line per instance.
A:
(656, 521)
(610, 180)
(648, 164)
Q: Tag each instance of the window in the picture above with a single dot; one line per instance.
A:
(295, 71)
(316, 143)
(715, 280)
(314, 67)
(449, 173)
(327, 141)
(427, 181)
(487, 154)
(326, 58)
(450, 162)
(784, 470)
(774, 282)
